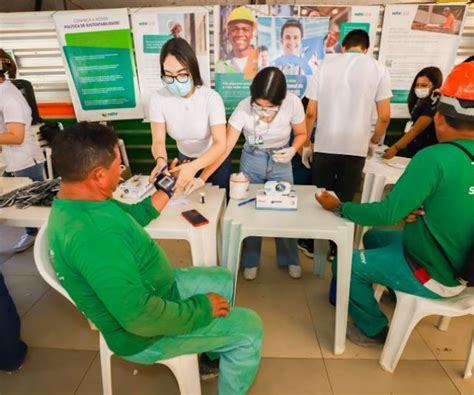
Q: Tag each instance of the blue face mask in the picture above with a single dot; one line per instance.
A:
(180, 88)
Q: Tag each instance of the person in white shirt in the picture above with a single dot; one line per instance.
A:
(266, 119)
(20, 149)
(193, 115)
(342, 95)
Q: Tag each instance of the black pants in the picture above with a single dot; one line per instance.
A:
(12, 349)
(339, 173)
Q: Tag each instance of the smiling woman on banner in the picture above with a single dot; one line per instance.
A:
(193, 115)
(422, 104)
(266, 118)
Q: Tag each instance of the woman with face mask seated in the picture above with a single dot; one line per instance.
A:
(193, 115)
(266, 119)
(422, 104)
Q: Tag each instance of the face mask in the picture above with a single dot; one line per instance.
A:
(421, 93)
(180, 88)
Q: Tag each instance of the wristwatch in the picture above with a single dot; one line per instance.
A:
(165, 183)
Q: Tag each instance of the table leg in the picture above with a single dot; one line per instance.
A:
(197, 248)
(366, 193)
(344, 265)
(319, 259)
(233, 255)
(226, 224)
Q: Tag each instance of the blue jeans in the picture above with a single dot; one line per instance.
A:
(259, 167)
(220, 177)
(36, 173)
(12, 349)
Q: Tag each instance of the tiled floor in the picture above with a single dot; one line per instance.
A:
(297, 353)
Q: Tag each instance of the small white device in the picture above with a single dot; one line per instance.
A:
(276, 196)
(135, 187)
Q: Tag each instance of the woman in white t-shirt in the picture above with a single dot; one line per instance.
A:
(193, 115)
(20, 149)
(266, 119)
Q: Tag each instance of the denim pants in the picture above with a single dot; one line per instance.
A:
(235, 339)
(12, 349)
(382, 262)
(36, 173)
(220, 177)
(259, 167)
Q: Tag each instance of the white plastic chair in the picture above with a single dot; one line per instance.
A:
(410, 310)
(185, 367)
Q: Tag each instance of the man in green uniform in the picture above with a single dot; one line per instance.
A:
(122, 280)
(424, 258)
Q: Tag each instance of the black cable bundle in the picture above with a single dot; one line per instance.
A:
(39, 193)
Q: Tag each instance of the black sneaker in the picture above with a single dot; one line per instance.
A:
(356, 336)
(23, 352)
(307, 246)
(208, 368)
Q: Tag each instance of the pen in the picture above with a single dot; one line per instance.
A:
(246, 201)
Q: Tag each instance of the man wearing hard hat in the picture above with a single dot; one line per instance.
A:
(240, 28)
(432, 255)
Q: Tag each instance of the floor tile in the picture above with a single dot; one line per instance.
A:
(177, 251)
(455, 370)
(25, 291)
(48, 372)
(451, 344)
(53, 322)
(367, 377)
(287, 325)
(21, 264)
(284, 376)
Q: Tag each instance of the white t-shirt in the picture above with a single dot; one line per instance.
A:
(189, 120)
(274, 134)
(346, 87)
(15, 109)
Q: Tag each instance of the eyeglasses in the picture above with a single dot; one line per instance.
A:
(264, 110)
(181, 78)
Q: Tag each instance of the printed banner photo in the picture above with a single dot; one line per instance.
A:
(237, 55)
(152, 27)
(343, 19)
(295, 45)
(98, 55)
(418, 36)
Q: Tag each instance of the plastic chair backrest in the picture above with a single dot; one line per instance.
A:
(43, 262)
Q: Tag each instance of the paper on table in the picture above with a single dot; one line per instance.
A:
(178, 201)
(396, 163)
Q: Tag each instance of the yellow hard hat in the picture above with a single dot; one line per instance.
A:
(241, 14)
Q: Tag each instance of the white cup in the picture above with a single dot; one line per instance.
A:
(239, 186)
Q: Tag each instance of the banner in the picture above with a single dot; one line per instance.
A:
(98, 55)
(152, 27)
(418, 36)
(295, 45)
(342, 20)
(237, 55)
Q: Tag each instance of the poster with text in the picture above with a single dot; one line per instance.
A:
(237, 54)
(342, 20)
(415, 37)
(98, 55)
(295, 45)
(152, 27)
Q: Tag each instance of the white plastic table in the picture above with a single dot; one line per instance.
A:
(169, 225)
(310, 221)
(377, 174)
(8, 184)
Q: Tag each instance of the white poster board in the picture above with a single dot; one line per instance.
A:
(415, 36)
(98, 56)
(152, 27)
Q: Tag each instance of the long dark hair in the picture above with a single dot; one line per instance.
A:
(185, 55)
(269, 84)
(436, 78)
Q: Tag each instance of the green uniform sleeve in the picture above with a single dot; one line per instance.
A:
(112, 272)
(419, 180)
(143, 211)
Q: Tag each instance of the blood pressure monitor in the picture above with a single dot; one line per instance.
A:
(165, 183)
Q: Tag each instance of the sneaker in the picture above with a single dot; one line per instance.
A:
(25, 242)
(307, 246)
(23, 352)
(356, 336)
(294, 271)
(208, 368)
(250, 273)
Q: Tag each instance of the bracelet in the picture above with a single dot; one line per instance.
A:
(160, 157)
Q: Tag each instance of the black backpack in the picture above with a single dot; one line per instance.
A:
(467, 271)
